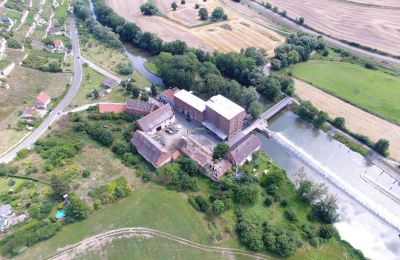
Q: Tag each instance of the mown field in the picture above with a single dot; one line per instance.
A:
(371, 90)
(151, 206)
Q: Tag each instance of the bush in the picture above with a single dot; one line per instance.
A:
(284, 203)
(218, 207)
(13, 44)
(268, 200)
(76, 209)
(148, 9)
(370, 66)
(203, 13)
(124, 69)
(196, 6)
(327, 231)
(291, 215)
(340, 123)
(86, 173)
(382, 147)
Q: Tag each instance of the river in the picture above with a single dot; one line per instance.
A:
(319, 155)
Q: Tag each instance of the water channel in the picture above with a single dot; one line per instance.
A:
(370, 220)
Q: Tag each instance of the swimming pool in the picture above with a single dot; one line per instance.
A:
(59, 214)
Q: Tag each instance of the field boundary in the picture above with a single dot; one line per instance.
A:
(73, 250)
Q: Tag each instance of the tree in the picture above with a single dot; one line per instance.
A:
(174, 6)
(76, 209)
(276, 64)
(382, 147)
(189, 166)
(196, 6)
(60, 184)
(203, 13)
(218, 13)
(301, 20)
(120, 147)
(255, 109)
(326, 210)
(220, 150)
(148, 9)
(153, 90)
(135, 92)
(327, 231)
(245, 194)
(307, 111)
(270, 87)
(320, 119)
(183, 2)
(340, 123)
(218, 207)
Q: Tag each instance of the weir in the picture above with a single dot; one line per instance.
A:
(335, 180)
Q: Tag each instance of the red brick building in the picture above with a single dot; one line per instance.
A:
(190, 105)
(223, 117)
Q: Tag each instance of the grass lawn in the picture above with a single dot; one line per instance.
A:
(151, 206)
(151, 248)
(371, 90)
(151, 67)
(15, 15)
(4, 184)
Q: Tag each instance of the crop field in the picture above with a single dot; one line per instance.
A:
(371, 26)
(184, 24)
(371, 90)
(357, 120)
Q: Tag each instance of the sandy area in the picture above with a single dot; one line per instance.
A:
(374, 27)
(241, 34)
(357, 120)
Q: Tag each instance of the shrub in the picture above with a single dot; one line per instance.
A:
(86, 173)
(291, 215)
(196, 6)
(340, 123)
(218, 207)
(284, 203)
(268, 200)
(327, 231)
(148, 9)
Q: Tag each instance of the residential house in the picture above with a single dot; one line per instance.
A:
(42, 100)
(112, 107)
(29, 113)
(54, 31)
(6, 19)
(243, 150)
(157, 120)
(168, 97)
(5, 211)
(139, 108)
(150, 149)
(109, 83)
(58, 45)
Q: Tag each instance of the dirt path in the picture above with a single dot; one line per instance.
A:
(100, 240)
(357, 120)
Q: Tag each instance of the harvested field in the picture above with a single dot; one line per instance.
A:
(357, 120)
(374, 27)
(375, 3)
(244, 33)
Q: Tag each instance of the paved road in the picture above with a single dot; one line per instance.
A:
(55, 114)
(331, 41)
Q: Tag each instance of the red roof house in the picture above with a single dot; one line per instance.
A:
(58, 44)
(112, 107)
(42, 100)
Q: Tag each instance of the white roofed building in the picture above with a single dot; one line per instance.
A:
(190, 105)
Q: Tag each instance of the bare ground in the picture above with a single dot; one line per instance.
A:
(357, 120)
(208, 37)
(374, 27)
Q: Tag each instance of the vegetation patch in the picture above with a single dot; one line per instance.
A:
(44, 61)
(371, 90)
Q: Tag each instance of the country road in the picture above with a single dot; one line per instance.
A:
(55, 114)
(97, 241)
(329, 40)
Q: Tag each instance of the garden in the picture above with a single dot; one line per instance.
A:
(44, 61)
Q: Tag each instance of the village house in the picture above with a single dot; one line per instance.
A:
(192, 149)
(139, 108)
(112, 108)
(54, 31)
(29, 113)
(192, 106)
(5, 211)
(58, 45)
(157, 120)
(151, 150)
(6, 19)
(109, 83)
(42, 100)
(168, 97)
(242, 151)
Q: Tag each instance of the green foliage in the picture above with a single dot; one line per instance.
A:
(218, 207)
(255, 109)
(6, 169)
(353, 146)
(327, 231)
(218, 13)
(100, 134)
(13, 43)
(326, 210)
(220, 150)
(56, 150)
(339, 122)
(120, 147)
(76, 210)
(113, 191)
(148, 8)
(60, 184)
(203, 13)
(124, 69)
(382, 147)
(174, 6)
(200, 203)
(85, 173)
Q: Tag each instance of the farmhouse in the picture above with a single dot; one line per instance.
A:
(109, 83)
(190, 105)
(242, 151)
(139, 108)
(157, 120)
(168, 97)
(58, 45)
(29, 113)
(213, 169)
(42, 100)
(223, 117)
(152, 151)
(54, 31)
(112, 107)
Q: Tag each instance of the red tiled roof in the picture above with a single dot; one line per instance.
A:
(112, 107)
(168, 93)
(57, 43)
(43, 97)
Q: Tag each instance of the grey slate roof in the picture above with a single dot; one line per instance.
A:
(155, 118)
(139, 105)
(243, 148)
